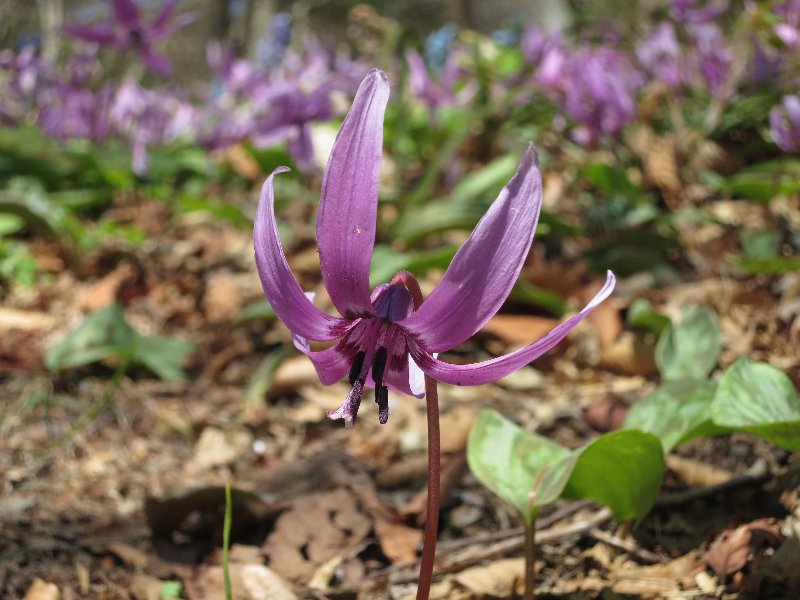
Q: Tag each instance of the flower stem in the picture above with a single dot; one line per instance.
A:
(530, 561)
(434, 460)
(432, 507)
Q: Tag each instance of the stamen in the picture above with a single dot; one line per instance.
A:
(355, 368)
(382, 398)
(379, 366)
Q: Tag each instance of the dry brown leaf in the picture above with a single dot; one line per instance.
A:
(664, 578)
(695, 473)
(499, 578)
(605, 319)
(107, 289)
(129, 554)
(730, 552)
(24, 320)
(216, 447)
(519, 329)
(632, 353)
(248, 582)
(42, 590)
(315, 529)
(146, 587)
(261, 583)
(398, 542)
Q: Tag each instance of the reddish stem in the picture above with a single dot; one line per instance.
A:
(432, 509)
(434, 460)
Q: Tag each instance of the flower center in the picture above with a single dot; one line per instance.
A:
(380, 349)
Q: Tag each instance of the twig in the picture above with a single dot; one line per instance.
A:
(628, 546)
(541, 523)
(512, 544)
(758, 474)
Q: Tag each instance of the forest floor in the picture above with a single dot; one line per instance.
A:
(113, 486)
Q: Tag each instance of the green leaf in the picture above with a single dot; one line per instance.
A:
(527, 293)
(760, 244)
(105, 335)
(766, 266)
(509, 460)
(690, 349)
(760, 399)
(622, 469)
(260, 310)
(641, 314)
(386, 262)
(611, 180)
(163, 356)
(676, 412)
(102, 335)
(10, 224)
(760, 185)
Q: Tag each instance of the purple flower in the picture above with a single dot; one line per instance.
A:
(599, 92)
(129, 31)
(788, 29)
(711, 57)
(447, 89)
(784, 121)
(687, 11)
(383, 342)
(147, 118)
(660, 54)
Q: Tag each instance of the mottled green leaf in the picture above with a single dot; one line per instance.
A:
(760, 399)
(690, 349)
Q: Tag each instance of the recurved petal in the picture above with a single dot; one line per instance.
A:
(126, 12)
(497, 368)
(164, 14)
(281, 288)
(349, 200)
(331, 364)
(484, 269)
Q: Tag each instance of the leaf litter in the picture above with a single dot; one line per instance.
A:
(133, 500)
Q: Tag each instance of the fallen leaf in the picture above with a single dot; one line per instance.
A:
(262, 583)
(519, 329)
(398, 542)
(146, 587)
(730, 552)
(316, 528)
(24, 320)
(499, 578)
(42, 590)
(215, 447)
(695, 473)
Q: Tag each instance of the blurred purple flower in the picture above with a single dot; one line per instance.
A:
(788, 29)
(383, 343)
(784, 121)
(597, 89)
(20, 75)
(688, 12)
(67, 112)
(448, 89)
(129, 31)
(711, 57)
(147, 118)
(660, 55)
(546, 53)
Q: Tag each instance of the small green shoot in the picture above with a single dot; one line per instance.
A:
(226, 540)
